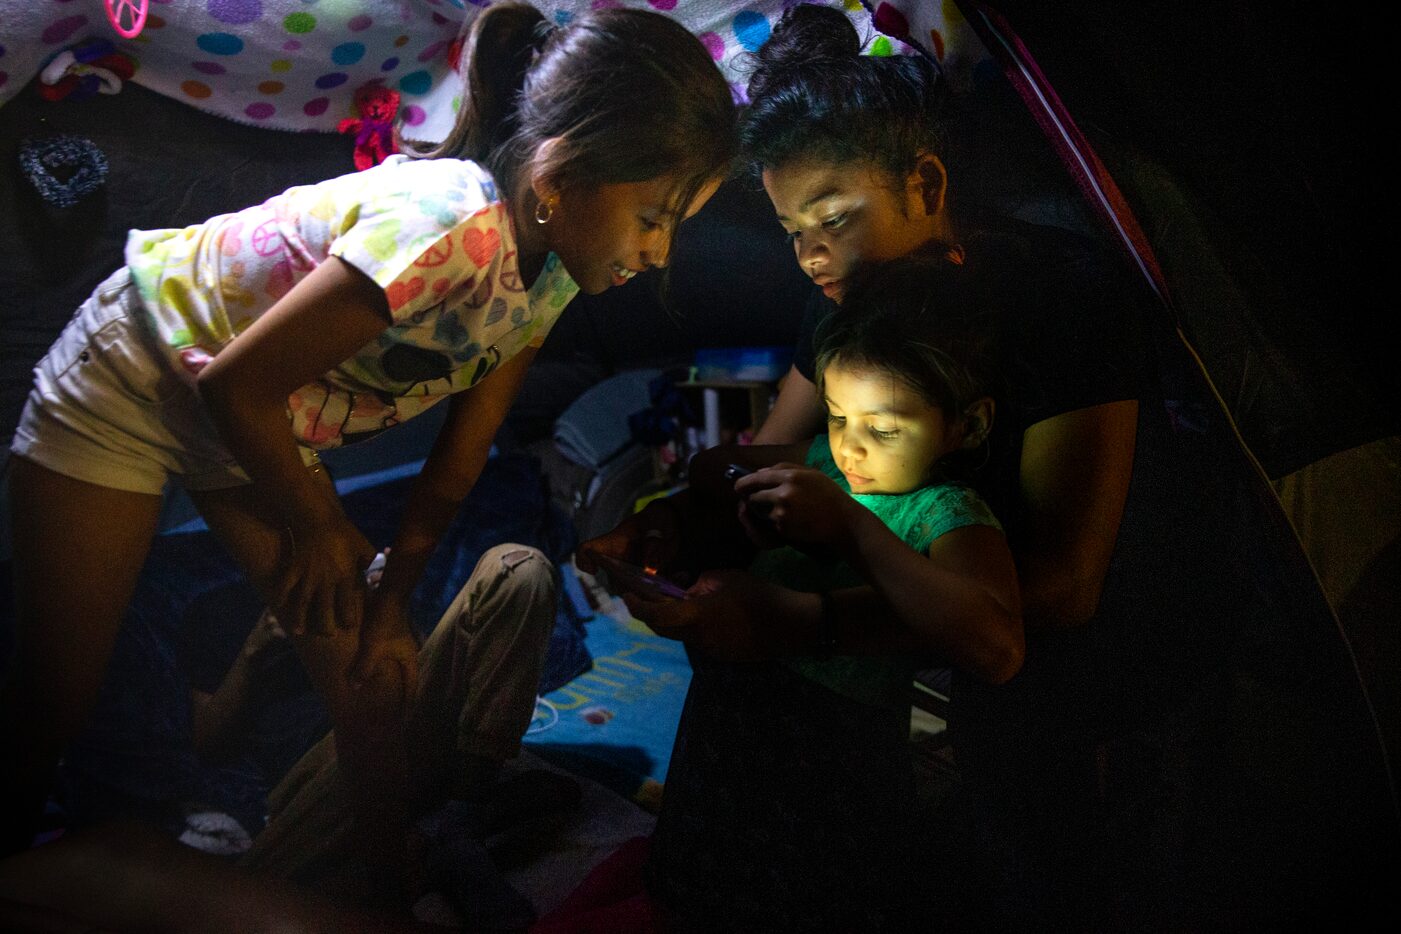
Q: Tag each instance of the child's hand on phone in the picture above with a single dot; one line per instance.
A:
(753, 514)
(796, 505)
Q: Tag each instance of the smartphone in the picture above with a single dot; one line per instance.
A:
(758, 511)
(638, 580)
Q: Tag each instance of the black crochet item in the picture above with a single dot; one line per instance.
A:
(63, 169)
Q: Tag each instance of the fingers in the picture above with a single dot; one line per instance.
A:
(746, 523)
(267, 626)
(350, 604)
(321, 611)
(711, 582)
(771, 475)
(279, 597)
(660, 612)
(757, 520)
(380, 663)
(319, 598)
(367, 658)
(373, 651)
(263, 634)
(408, 676)
(645, 610)
(763, 502)
(294, 608)
(614, 544)
(752, 483)
(653, 549)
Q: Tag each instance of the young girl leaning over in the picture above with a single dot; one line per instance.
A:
(789, 800)
(227, 354)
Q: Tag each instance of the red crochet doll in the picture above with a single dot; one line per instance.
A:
(374, 128)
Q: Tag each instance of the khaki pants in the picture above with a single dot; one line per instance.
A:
(478, 675)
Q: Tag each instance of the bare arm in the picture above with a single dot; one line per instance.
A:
(216, 718)
(959, 601)
(448, 475)
(451, 470)
(1075, 473)
(322, 321)
(1074, 480)
(797, 415)
(735, 615)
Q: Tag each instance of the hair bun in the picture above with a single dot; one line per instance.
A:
(804, 34)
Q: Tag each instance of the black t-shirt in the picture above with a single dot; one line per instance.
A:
(1071, 335)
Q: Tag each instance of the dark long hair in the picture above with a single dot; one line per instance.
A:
(813, 95)
(631, 95)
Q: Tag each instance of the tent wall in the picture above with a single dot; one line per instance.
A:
(1192, 115)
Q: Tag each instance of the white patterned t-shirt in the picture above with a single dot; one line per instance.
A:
(433, 233)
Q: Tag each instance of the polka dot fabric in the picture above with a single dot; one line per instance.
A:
(296, 64)
(288, 64)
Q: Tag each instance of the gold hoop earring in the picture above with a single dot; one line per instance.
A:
(544, 210)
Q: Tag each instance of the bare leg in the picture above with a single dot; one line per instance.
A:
(253, 533)
(78, 549)
(478, 675)
(368, 720)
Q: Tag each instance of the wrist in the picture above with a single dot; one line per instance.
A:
(311, 511)
(851, 533)
(398, 587)
(404, 564)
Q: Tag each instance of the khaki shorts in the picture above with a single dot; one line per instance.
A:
(107, 409)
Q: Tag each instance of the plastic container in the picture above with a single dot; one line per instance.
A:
(742, 364)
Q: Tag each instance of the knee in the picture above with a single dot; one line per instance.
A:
(517, 580)
(522, 565)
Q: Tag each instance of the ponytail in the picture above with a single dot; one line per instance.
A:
(628, 95)
(498, 49)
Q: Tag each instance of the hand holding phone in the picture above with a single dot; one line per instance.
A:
(643, 581)
(757, 511)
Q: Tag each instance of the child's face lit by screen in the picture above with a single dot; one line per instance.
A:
(885, 437)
